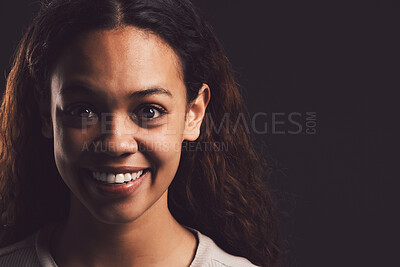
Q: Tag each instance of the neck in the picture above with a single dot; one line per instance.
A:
(153, 239)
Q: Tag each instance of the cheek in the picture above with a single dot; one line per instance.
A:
(71, 141)
(163, 144)
(70, 145)
(71, 136)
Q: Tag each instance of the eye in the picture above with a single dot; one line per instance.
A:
(81, 111)
(150, 112)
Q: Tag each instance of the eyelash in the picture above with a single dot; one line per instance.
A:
(71, 110)
(160, 109)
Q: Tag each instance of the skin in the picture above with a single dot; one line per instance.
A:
(135, 230)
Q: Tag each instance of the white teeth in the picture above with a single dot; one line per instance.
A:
(127, 177)
(110, 178)
(118, 178)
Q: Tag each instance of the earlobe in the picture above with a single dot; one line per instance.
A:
(47, 128)
(195, 114)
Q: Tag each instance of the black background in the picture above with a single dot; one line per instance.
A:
(339, 60)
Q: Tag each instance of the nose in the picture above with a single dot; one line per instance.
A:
(118, 135)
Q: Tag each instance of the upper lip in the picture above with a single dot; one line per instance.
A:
(120, 169)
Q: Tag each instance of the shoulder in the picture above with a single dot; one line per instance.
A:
(30, 252)
(208, 254)
(22, 253)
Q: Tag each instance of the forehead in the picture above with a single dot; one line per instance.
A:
(119, 58)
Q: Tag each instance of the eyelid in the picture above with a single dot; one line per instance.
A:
(70, 108)
(159, 108)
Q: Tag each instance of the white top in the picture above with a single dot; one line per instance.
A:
(34, 252)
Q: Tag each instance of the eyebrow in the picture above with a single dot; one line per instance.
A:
(84, 89)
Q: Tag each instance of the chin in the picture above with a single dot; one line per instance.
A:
(122, 212)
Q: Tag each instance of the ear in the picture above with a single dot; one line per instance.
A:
(195, 114)
(45, 114)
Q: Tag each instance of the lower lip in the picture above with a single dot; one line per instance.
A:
(118, 190)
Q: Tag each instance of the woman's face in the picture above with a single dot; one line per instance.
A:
(118, 118)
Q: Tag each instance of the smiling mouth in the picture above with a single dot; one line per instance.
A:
(117, 178)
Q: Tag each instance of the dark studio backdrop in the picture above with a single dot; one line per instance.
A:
(320, 80)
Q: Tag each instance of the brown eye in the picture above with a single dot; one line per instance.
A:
(82, 112)
(150, 112)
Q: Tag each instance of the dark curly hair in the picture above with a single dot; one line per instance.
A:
(221, 192)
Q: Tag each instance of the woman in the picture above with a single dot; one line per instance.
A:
(122, 143)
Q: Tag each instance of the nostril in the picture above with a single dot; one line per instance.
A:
(115, 148)
(125, 155)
